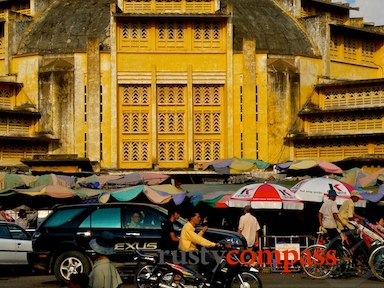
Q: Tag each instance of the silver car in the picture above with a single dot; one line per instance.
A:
(15, 242)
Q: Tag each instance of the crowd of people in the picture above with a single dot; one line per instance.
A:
(104, 274)
(190, 240)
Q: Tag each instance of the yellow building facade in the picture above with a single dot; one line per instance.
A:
(153, 84)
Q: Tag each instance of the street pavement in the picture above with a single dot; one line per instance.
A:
(20, 279)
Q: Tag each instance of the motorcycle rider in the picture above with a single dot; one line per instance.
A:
(169, 241)
(189, 239)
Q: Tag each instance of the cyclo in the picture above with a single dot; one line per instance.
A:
(355, 253)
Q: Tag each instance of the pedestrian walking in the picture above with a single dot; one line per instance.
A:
(249, 227)
(104, 273)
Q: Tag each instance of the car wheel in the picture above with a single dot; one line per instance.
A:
(68, 263)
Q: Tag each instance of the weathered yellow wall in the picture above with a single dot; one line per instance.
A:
(26, 69)
(354, 72)
(2, 67)
(238, 126)
(170, 62)
(80, 126)
(310, 69)
(108, 125)
(262, 93)
(249, 99)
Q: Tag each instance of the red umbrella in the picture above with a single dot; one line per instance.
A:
(265, 196)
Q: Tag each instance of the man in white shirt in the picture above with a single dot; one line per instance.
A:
(249, 227)
(22, 221)
(328, 215)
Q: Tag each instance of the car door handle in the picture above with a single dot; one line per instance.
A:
(86, 233)
(132, 234)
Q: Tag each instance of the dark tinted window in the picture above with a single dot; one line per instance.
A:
(103, 218)
(63, 216)
(4, 232)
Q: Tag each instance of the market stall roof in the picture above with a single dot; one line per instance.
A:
(193, 189)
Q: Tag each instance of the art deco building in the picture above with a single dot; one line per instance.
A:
(169, 84)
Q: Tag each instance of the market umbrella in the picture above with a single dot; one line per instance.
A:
(316, 190)
(160, 194)
(137, 178)
(216, 199)
(123, 194)
(234, 165)
(265, 196)
(353, 175)
(282, 167)
(324, 165)
(371, 179)
(54, 191)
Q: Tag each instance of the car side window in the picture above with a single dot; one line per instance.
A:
(63, 216)
(103, 218)
(4, 233)
(17, 233)
(144, 218)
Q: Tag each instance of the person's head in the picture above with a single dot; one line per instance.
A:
(247, 209)
(135, 218)
(79, 280)
(174, 213)
(355, 195)
(104, 244)
(194, 218)
(380, 221)
(332, 194)
(22, 213)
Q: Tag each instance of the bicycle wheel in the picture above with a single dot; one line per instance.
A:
(343, 263)
(376, 262)
(311, 265)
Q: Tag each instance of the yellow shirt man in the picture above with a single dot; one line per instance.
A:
(347, 211)
(189, 238)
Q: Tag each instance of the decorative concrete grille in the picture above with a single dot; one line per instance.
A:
(350, 98)
(206, 34)
(207, 150)
(134, 34)
(333, 150)
(170, 35)
(135, 151)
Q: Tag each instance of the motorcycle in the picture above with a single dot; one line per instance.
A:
(228, 274)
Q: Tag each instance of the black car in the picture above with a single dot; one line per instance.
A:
(61, 242)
